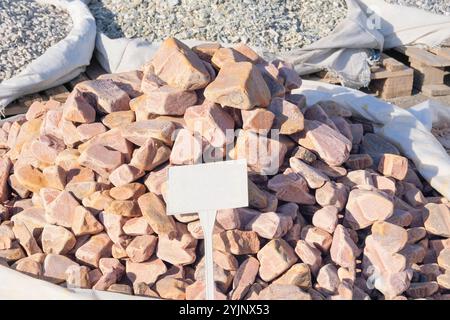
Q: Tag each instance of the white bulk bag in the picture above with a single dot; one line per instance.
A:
(61, 62)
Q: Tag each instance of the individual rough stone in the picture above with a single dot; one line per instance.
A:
(154, 211)
(389, 236)
(146, 272)
(97, 247)
(101, 159)
(55, 267)
(299, 275)
(375, 146)
(57, 240)
(317, 237)
(119, 119)
(26, 239)
(105, 95)
(288, 117)
(331, 146)
(167, 100)
(244, 278)
(141, 248)
(359, 161)
(326, 218)
(179, 66)
(444, 259)
(365, 207)
(270, 225)
(138, 132)
(125, 174)
(275, 258)
(179, 250)
(77, 108)
(237, 242)
(283, 292)
(392, 165)
(291, 187)
(332, 194)
(328, 279)
(436, 219)
(258, 119)
(313, 177)
(78, 277)
(239, 85)
(343, 250)
(187, 149)
(84, 222)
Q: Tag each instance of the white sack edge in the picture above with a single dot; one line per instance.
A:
(412, 137)
(61, 62)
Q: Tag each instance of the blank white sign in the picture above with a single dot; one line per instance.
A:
(207, 187)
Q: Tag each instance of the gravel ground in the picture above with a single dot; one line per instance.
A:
(435, 6)
(27, 29)
(277, 25)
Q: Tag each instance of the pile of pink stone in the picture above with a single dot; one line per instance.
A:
(335, 212)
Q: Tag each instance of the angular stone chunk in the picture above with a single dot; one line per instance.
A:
(299, 275)
(205, 51)
(270, 225)
(61, 211)
(436, 219)
(138, 132)
(26, 239)
(125, 208)
(289, 75)
(315, 112)
(328, 279)
(211, 122)
(57, 240)
(283, 292)
(258, 119)
(291, 187)
(225, 260)
(33, 218)
(288, 117)
(256, 197)
(392, 165)
(244, 278)
(343, 250)
(444, 259)
(156, 180)
(223, 56)
(119, 119)
(331, 146)
(137, 227)
(171, 288)
(389, 236)
(179, 250)
(272, 78)
(303, 154)
(97, 247)
(77, 108)
(365, 207)
(130, 81)
(239, 85)
(29, 267)
(84, 222)
(29, 177)
(332, 193)
(146, 272)
(88, 130)
(326, 218)
(228, 219)
(105, 95)
(125, 174)
(130, 191)
(179, 66)
(359, 161)
(100, 159)
(313, 177)
(317, 237)
(54, 177)
(420, 290)
(236, 242)
(375, 146)
(167, 100)
(141, 248)
(154, 211)
(275, 258)
(264, 155)
(309, 254)
(187, 148)
(5, 167)
(343, 126)
(55, 267)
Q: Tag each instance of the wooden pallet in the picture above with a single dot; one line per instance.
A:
(59, 93)
(389, 79)
(431, 68)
